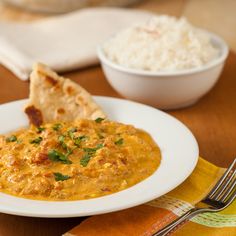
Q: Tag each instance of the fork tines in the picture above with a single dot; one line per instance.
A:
(224, 191)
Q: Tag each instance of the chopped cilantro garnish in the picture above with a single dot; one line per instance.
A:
(60, 177)
(85, 159)
(83, 137)
(92, 150)
(57, 126)
(89, 152)
(78, 140)
(40, 129)
(71, 135)
(64, 146)
(99, 120)
(119, 141)
(37, 140)
(100, 145)
(100, 135)
(12, 138)
(71, 132)
(69, 151)
(61, 138)
(55, 155)
(19, 141)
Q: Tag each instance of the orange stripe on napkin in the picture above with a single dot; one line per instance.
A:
(141, 220)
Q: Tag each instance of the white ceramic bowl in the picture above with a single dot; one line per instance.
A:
(165, 90)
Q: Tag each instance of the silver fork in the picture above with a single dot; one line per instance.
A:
(220, 197)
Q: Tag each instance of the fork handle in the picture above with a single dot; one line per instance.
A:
(179, 221)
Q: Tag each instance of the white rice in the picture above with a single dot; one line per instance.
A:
(163, 43)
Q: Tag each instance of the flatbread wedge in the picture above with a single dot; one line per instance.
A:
(55, 98)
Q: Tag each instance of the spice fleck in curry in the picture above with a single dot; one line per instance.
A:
(75, 160)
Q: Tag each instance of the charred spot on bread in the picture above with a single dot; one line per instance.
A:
(51, 80)
(61, 111)
(34, 115)
(70, 90)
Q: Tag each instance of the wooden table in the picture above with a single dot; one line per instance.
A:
(212, 120)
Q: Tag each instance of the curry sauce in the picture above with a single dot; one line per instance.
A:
(76, 160)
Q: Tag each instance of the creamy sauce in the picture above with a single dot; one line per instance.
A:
(78, 160)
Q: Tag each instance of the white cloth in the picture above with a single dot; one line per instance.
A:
(63, 42)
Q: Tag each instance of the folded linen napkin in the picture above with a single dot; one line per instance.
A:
(63, 42)
(146, 219)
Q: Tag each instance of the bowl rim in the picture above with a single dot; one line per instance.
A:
(222, 45)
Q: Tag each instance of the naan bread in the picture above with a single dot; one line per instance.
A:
(54, 98)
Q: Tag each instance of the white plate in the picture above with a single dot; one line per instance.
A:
(179, 157)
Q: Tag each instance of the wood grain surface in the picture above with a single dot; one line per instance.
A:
(212, 120)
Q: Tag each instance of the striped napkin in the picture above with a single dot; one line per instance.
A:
(146, 219)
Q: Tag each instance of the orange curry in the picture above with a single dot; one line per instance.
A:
(77, 160)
